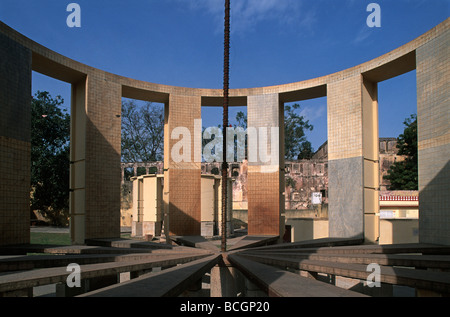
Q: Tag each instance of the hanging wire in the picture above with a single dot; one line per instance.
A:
(226, 78)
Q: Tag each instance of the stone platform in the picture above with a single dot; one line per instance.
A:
(323, 267)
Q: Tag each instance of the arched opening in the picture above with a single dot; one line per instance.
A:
(50, 160)
(142, 154)
(398, 195)
(306, 168)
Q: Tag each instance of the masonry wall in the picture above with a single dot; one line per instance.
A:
(95, 176)
(182, 179)
(371, 168)
(433, 117)
(15, 147)
(103, 148)
(265, 179)
(345, 158)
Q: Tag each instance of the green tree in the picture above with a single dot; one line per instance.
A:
(403, 175)
(50, 137)
(306, 151)
(295, 127)
(241, 120)
(295, 143)
(142, 132)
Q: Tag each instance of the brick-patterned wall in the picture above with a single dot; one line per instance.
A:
(433, 117)
(15, 147)
(15, 156)
(345, 161)
(103, 148)
(185, 203)
(184, 178)
(264, 178)
(263, 203)
(344, 118)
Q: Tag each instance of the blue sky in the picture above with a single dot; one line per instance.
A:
(180, 42)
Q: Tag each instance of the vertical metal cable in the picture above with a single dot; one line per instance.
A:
(226, 78)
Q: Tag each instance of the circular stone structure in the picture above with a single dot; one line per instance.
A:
(352, 109)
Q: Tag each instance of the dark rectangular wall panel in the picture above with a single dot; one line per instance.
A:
(15, 137)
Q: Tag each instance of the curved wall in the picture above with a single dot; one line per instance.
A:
(352, 130)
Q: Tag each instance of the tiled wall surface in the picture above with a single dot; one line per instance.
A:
(264, 205)
(15, 137)
(345, 161)
(184, 181)
(103, 148)
(433, 107)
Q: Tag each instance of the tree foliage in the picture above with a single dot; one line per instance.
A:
(241, 120)
(295, 127)
(306, 151)
(142, 132)
(403, 175)
(50, 137)
(296, 145)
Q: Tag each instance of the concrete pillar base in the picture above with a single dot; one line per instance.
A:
(226, 281)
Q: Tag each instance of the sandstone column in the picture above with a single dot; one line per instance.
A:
(345, 158)
(265, 157)
(95, 159)
(182, 167)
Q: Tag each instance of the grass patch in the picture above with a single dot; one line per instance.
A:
(50, 238)
(58, 238)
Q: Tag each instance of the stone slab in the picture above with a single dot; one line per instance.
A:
(38, 277)
(170, 282)
(195, 242)
(280, 283)
(405, 260)
(28, 262)
(346, 205)
(432, 280)
(254, 241)
(127, 243)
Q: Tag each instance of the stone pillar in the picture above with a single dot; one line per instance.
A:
(95, 156)
(229, 213)
(226, 281)
(15, 142)
(265, 178)
(209, 205)
(371, 166)
(433, 117)
(345, 158)
(182, 166)
(77, 197)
